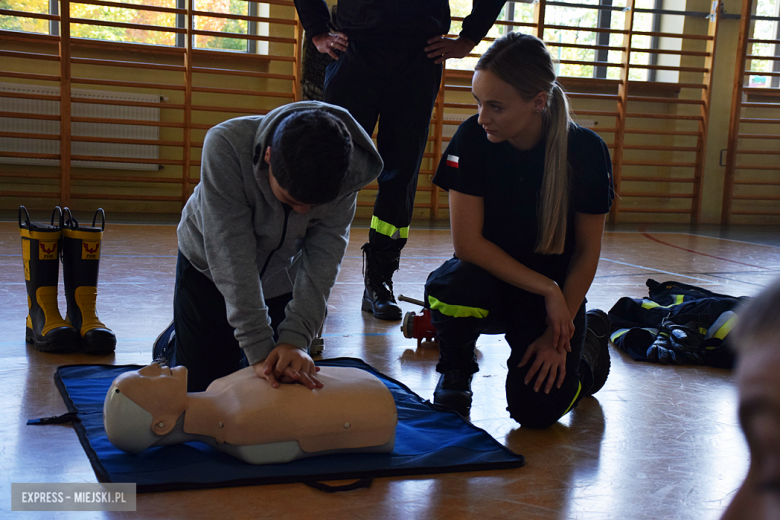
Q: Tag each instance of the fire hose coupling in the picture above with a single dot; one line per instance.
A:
(418, 326)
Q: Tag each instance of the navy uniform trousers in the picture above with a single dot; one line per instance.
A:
(396, 83)
(467, 301)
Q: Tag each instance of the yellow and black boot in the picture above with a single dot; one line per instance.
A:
(80, 266)
(46, 329)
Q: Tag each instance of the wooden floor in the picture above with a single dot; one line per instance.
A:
(656, 442)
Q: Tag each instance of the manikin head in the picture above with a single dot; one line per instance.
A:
(757, 341)
(143, 405)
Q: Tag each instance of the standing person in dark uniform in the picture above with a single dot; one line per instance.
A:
(389, 56)
(528, 192)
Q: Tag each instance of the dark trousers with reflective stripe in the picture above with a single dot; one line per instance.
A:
(396, 83)
(519, 315)
(205, 341)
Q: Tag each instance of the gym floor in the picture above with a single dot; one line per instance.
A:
(657, 442)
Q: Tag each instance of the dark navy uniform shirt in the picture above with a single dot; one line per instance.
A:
(510, 180)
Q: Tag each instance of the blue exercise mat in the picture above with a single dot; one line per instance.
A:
(427, 441)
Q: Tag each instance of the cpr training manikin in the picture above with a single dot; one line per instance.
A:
(243, 416)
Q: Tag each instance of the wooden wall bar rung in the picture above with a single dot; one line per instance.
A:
(29, 55)
(29, 175)
(657, 210)
(126, 47)
(13, 36)
(24, 155)
(239, 36)
(671, 52)
(131, 160)
(661, 164)
(131, 84)
(238, 92)
(232, 110)
(246, 73)
(114, 178)
(680, 117)
(757, 167)
(42, 97)
(684, 36)
(757, 197)
(586, 29)
(32, 194)
(107, 196)
(27, 14)
(131, 26)
(647, 99)
(139, 7)
(210, 14)
(135, 122)
(757, 183)
(20, 135)
(661, 132)
(120, 102)
(27, 115)
(116, 140)
(130, 64)
(633, 178)
(661, 148)
(657, 195)
(34, 77)
(757, 213)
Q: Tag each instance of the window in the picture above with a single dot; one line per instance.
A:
(160, 22)
(577, 33)
(766, 28)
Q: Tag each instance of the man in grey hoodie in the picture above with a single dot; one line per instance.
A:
(261, 241)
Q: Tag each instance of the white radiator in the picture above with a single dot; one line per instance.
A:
(39, 126)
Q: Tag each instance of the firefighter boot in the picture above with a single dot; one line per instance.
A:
(46, 329)
(453, 391)
(595, 352)
(80, 266)
(378, 269)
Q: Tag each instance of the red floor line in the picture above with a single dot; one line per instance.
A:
(646, 235)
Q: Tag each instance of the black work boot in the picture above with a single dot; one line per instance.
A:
(595, 352)
(378, 269)
(453, 391)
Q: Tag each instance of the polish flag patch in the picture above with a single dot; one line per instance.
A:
(452, 160)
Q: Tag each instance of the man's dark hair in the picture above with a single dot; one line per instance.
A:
(310, 155)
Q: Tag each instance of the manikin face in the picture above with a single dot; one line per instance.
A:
(503, 112)
(759, 414)
(159, 390)
(280, 193)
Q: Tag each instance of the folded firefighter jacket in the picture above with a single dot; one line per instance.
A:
(677, 324)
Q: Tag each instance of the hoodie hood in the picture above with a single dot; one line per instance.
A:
(366, 162)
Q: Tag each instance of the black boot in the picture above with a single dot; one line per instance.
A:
(46, 329)
(378, 269)
(80, 267)
(595, 352)
(453, 392)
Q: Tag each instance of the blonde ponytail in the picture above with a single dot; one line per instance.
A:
(554, 201)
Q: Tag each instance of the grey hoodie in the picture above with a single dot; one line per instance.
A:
(233, 229)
